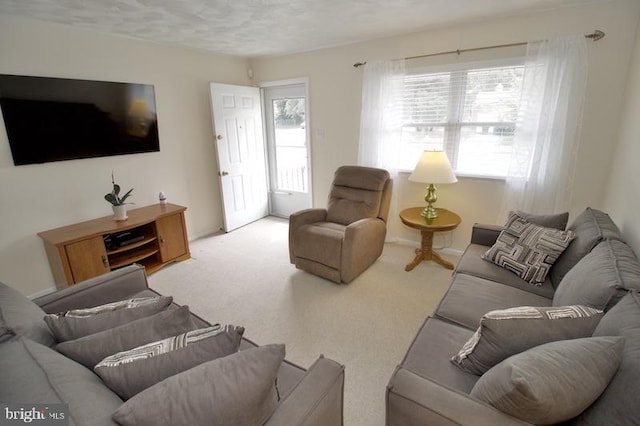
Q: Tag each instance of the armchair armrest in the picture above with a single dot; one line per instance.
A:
(307, 216)
(363, 244)
(106, 288)
(317, 400)
(415, 400)
(303, 217)
(485, 235)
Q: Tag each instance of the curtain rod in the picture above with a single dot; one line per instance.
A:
(595, 36)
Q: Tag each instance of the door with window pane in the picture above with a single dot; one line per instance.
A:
(288, 148)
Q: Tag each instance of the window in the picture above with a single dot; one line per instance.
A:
(470, 114)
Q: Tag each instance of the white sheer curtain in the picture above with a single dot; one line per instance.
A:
(547, 136)
(381, 123)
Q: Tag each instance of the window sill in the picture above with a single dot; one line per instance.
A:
(467, 176)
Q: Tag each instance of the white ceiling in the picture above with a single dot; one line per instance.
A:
(252, 28)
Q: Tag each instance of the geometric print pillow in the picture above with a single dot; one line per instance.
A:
(528, 250)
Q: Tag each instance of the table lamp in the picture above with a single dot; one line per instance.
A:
(432, 167)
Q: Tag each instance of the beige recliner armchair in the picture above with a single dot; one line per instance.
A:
(341, 241)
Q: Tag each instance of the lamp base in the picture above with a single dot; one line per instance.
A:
(429, 212)
(431, 197)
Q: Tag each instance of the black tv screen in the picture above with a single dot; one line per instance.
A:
(56, 119)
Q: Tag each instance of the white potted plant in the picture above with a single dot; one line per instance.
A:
(118, 202)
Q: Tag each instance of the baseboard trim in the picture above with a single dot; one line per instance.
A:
(42, 293)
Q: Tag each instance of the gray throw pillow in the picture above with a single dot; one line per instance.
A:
(82, 322)
(238, 389)
(23, 317)
(31, 373)
(528, 250)
(503, 333)
(557, 221)
(130, 372)
(90, 350)
(553, 382)
(590, 227)
(601, 278)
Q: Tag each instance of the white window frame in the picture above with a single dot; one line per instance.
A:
(453, 128)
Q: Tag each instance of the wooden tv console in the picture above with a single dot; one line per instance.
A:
(152, 236)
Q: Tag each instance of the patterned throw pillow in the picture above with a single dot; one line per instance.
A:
(108, 307)
(506, 332)
(129, 372)
(528, 250)
(90, 350)
(78, 323)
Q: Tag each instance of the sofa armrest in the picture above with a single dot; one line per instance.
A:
(303, 217)
(317, 400)
(415, 400)
(106, 288)
(485, 235)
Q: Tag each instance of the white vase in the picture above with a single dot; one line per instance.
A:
(120, 212)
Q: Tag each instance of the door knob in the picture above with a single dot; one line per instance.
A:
(223, 173)
(219, 137)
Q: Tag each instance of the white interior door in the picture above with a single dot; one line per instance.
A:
(237, 120)
(287, 130)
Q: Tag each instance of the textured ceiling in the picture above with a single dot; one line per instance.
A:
(252, 28)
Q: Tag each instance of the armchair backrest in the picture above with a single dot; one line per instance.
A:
(357, 193)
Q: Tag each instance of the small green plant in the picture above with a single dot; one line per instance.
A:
(114, 196)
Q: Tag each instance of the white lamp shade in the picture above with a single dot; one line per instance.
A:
(433, 167)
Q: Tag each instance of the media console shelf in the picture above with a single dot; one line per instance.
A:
(152, 236)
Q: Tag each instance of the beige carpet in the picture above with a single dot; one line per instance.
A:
(245, 278)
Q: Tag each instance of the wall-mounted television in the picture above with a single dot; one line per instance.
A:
(55, 119)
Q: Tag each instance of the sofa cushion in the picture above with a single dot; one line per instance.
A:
(77, 323)
(23, 317)
(347, 205)
(356, 194)
(601, 278)
(5, 331)
(528, 250)
(321, 242)
(507, 332)
(590, 227)
(471, 263)
(557, 220)
(620, 399)
(429, 353)
(130, 372)
(469, 298)
(33, 373)
(235, 390)
(90, 350)
(554, 382)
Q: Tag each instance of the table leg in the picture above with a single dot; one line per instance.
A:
(425, 252)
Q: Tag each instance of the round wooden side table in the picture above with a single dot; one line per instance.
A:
(446, 221)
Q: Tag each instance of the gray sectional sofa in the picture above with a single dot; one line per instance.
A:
(597, 270)
(33, 372)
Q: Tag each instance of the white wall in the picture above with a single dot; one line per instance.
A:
(623, 189)
(39, 197)
(335, 91)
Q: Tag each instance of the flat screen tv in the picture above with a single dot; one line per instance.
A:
(56, 119)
